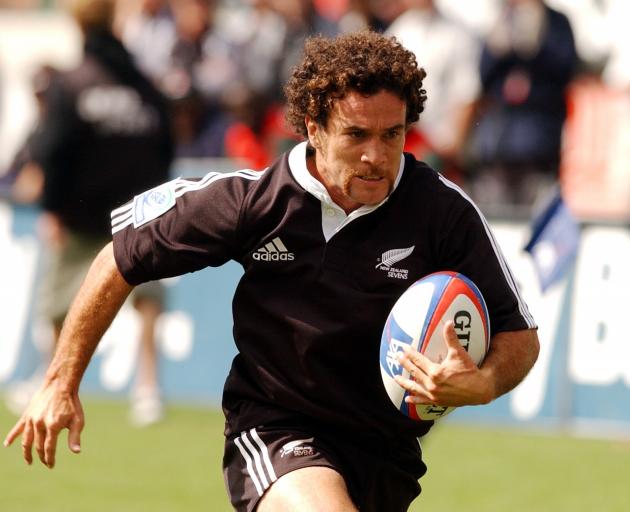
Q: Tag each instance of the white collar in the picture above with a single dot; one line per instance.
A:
(297, 166)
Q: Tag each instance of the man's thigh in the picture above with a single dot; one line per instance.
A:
(257, 459)
(310, 489)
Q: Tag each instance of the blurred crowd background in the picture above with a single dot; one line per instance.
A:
(522, 94)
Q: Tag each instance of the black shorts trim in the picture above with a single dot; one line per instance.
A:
(257, 461)
(254, 459)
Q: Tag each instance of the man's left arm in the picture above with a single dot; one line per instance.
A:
(512, 355)
(457, 381)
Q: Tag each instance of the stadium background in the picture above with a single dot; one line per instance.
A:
(580, 384)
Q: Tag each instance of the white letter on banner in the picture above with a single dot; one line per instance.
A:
(528, 397)
(17, 273)
(599, 350)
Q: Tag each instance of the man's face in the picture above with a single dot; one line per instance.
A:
(358, 152)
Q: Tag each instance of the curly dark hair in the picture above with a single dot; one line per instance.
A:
(365, 62)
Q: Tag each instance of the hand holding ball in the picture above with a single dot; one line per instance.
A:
(417, 320)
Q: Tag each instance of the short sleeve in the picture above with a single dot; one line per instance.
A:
(470, 247)
(180, 226)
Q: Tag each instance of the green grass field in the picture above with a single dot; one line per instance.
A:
(176, 466)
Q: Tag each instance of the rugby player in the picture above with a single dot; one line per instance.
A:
(309, 425)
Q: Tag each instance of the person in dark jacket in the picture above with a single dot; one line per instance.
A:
(527, 61)
(105, 136)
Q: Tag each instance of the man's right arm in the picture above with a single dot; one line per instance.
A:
(56, 405)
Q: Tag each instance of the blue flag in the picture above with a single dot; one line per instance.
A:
(554, 241)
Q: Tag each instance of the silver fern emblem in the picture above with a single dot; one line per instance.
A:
(394, 255)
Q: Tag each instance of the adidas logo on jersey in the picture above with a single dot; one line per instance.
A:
(274, 251)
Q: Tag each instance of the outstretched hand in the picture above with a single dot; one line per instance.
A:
(49, 412)
(56, 405)
(452, 382)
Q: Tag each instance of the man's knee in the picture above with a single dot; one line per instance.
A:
(310, 489)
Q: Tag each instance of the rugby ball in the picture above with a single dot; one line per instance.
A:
(418, 319)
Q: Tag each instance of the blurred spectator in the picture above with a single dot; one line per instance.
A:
(23, 181)
(199, 70)
(281, 27)
(225, 71)
(368, 14)
(450, 55)
(381, 13)
(167, 41)
(149, 35)
(301, 20)
(104, 137)
(225, 78)
(527, 62)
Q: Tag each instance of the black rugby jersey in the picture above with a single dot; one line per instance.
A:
(310, 307)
